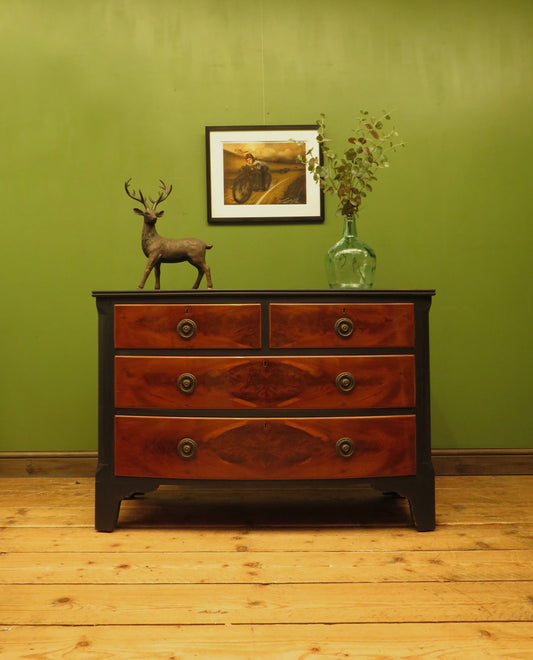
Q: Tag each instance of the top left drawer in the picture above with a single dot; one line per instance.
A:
(188, 326)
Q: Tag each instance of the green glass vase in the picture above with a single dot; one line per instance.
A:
(350, 263)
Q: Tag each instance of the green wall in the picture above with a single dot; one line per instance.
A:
(96, 92)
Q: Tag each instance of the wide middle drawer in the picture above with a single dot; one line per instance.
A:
(310, 382)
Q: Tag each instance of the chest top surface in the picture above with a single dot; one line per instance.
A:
(243, 294)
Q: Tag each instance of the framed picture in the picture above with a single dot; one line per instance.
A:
(254, 176)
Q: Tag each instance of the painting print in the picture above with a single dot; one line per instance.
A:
(264, 173)
(255, 174)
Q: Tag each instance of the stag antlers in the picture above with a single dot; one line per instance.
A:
(165, 192)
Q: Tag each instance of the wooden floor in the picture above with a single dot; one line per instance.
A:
(269, 575)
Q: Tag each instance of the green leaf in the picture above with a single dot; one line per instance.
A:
(350, 154)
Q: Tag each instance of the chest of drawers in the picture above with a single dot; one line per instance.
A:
(256, 386)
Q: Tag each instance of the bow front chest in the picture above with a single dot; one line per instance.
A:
(256, 386)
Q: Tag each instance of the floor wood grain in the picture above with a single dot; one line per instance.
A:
(266, 573)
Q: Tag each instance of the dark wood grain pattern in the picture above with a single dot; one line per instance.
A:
(381, 381)
(297, 448)
(313, 325)
(218, 326)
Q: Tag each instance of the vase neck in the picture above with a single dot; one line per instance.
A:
(350, 225)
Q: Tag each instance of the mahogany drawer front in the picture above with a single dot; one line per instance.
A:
(293, 448)
(311, 382)
(188, 326)
(356, 325)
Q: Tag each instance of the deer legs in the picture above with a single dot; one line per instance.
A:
(203, 268)
(155, 264)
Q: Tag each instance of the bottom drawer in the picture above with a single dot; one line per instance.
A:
(289, 448)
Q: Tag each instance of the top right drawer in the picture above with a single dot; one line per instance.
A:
(353, 325)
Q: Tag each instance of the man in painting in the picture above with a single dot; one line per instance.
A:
(258, 170)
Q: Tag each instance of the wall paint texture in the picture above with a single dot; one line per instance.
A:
(96, 92)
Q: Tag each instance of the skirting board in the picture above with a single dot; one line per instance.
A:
(446, 462)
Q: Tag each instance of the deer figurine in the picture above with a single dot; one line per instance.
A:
(161, 250)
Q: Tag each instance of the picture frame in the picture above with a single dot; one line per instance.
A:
(254, 176)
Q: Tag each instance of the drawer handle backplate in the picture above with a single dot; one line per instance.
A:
(345, 447)
(344, 328)
(187, 449)
(345, 382)
(186, 328)
(187, 383)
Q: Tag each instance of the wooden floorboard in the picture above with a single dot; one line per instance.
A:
(266, 574)
(448, 641)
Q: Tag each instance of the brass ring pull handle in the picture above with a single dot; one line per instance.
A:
(344, 328)
(187, 449)
(187, 383)
(345, 382)
(186, 328)
(345, 447)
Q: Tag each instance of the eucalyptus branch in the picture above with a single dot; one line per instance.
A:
(350, 175)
